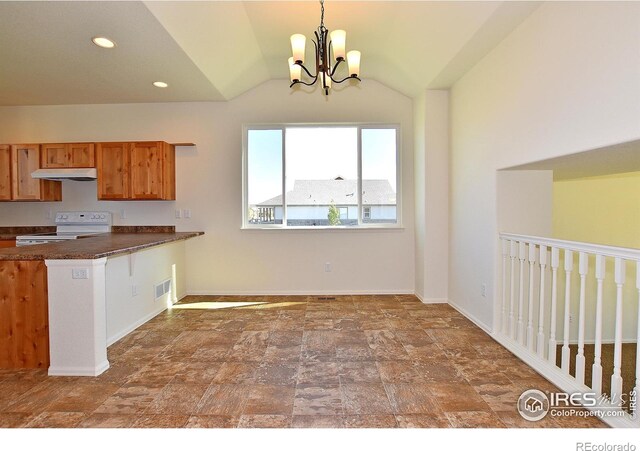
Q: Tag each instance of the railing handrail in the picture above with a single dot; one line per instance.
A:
(625, 253)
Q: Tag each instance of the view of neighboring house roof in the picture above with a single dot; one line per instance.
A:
(336, 191)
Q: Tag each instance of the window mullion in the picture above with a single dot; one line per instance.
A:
(359, 183)
(284, 178)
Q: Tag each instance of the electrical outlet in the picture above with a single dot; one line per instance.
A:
(79, 273)
(327, 267)
(570, 319)
(483, 290)
(123, 214)
(178, 214)
(134, 290)
(186, 213)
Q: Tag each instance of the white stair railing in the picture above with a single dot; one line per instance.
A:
(529, 327)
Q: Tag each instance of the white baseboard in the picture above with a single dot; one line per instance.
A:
(297, 292)
(79, 371)
(127, 330)
(432, 300)
(471, 317)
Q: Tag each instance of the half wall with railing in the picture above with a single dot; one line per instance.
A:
(571, 311)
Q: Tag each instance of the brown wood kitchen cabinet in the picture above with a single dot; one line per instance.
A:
(68, 155)
(136, 171)
(5, 172)
(17, 162)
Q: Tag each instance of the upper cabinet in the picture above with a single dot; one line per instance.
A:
(80, 155)
(136, 171)
(17, 162)
(112, 163)
(125, 170)
(5, 172)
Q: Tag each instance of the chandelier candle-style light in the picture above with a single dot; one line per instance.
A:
(326, 66)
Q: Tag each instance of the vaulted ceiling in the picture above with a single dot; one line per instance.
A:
(217, 50)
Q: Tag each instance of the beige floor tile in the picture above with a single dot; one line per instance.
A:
(270, 400)
(108, 420)
(318, 400)
(223, 400)
(365, 399)
(177, 399)
(318, 421)
(362, 361)
(265, 421)
(212, 421)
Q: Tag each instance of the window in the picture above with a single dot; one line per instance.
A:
(320, 176)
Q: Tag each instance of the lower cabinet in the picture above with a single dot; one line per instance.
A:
(24, 318)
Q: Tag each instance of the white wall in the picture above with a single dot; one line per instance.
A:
(431, 122)
(228, 259)
(144, 270)
(566, 80)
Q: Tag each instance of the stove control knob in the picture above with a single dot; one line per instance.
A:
(64, 216)
(102, 216)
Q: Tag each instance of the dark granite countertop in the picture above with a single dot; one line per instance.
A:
(11, 232)
(96, 246)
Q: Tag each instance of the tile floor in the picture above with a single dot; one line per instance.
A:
(278, 362)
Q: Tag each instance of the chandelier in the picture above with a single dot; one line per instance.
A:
(326, 66)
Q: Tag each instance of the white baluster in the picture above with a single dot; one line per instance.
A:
(532, 260)
(568, 268)
(555, 262)
(616, 378)
(543, 266)
(596, 371)
(504, 318)
(522, 248)
(636, 388)
(512, 318)
(583, 265)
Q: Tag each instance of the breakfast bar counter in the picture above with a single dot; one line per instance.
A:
(92, 247)
(63, 303)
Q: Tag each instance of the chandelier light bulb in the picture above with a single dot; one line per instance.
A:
(353, 59)
(339, 43)
(298, 43)
(294, 70)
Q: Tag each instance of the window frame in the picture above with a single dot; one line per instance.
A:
(246, 225)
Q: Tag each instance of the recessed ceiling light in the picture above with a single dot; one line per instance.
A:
(160, 84)
(103, 42)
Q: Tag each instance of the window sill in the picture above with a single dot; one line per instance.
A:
(324, 228)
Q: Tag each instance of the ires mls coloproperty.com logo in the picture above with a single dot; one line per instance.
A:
(534, 405)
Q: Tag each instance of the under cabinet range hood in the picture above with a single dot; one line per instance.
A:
(85, 174)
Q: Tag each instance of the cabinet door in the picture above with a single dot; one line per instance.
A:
(55, 156)
(112, 163)
(25, 159)
(82, 155)
(5, 172)
(147, 170)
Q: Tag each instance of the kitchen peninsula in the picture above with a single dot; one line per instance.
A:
(62, 304)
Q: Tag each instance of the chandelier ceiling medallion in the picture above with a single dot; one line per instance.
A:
(325, 44)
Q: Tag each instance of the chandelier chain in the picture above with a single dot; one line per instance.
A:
(322, 15)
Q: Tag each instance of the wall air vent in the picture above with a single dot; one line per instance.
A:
(163, 288)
